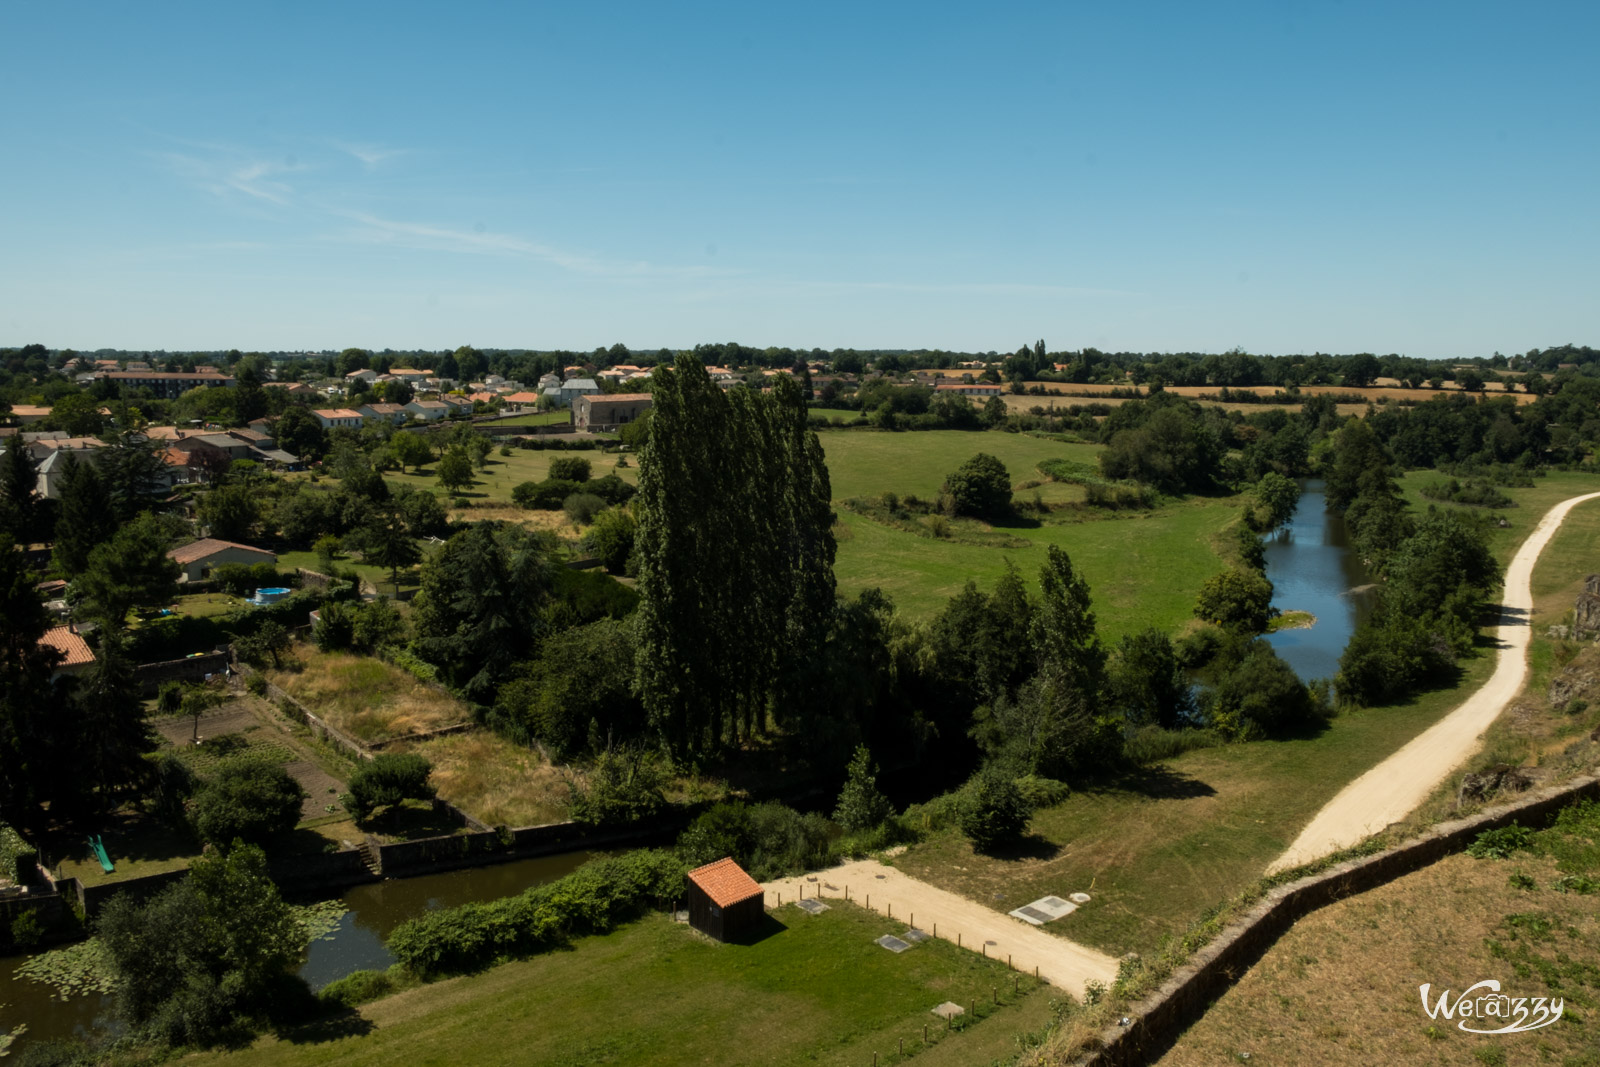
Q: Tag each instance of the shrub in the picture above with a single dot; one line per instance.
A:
(547, 495)
(623, 787)
(592, 899)
(995, 813)
(611, 538)
(611, 489)
(358, 987)
(1500, 844)
(243, 579)
(387, 780)
(248, 798)
(861, 805)
(1236, 599)
(1039, 792)
(256, 685)
(569, 468)
(581, 508)
(17, 858)
(1152, 744)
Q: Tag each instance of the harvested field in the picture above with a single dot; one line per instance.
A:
(366, 698)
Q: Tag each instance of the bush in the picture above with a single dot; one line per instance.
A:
(861, 805)
(1500, 844)
(995, 813)
(623, 788)
(1237, 600)
(592, 899)
(611, 539)
(243, 579)
(547, 495)
(1152, 744)
(256, 685)
(981, 486)
(387, 780)
(581, 508)
(1038, 792)
(248, 798)
(569, 468)
(18, 859)
(358, 987)
(611, 489)
(769, 840)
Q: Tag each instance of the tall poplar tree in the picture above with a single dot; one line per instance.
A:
(735, 559)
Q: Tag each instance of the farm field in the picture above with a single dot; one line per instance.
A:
(1144, 568)
(812, 989)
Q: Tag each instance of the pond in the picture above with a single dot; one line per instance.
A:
(355, 944)
(1313, 569)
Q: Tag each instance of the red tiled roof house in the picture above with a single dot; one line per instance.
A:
(724, 901)
(198, 558)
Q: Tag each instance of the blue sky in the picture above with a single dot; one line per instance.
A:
(1416, 178)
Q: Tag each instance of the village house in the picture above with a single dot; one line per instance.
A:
(394, 414)
(333, 418)
(168, 386)
(365, 376)
(970, 389)
(199, 558)
(76, 656)
(607, 413)
(429, 410)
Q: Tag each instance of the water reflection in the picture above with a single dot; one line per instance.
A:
(1312, 568)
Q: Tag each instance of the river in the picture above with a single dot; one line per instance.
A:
(1312, 568)
(355, 944)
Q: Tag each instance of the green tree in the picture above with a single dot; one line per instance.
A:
(1147, 683)
(861, 805)
(455, 469)
(135, 475)
(132, 570)
(995, 814)
(269, 641)
(409, 448)
(247, 798)
(389, 543)
(994, 412)
(1062, 628)
(19, 493)
(86, 518)
(1237, 600)
(206, 957)
(111, 735)
(981, 486)
(1275, 499)
(623, 788)
(230, 511)
(570, 468)
(611, 538)
(31, 710)
(577, 695)
(387, 780)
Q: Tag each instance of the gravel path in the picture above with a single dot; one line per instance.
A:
(1393, 789)
(897, 895)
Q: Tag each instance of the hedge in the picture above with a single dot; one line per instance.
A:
(592, 899)
(176, 636)
(18, 859)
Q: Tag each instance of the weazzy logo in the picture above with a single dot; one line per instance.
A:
(1516, 1015)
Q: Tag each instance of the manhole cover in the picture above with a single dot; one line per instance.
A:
(892, 943)
(914, 935)
(1079, 898)
(812, 907)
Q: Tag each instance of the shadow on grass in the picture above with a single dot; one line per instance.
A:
(347, 1023)
(769, 926)
(1031, 847)
(1158, 781)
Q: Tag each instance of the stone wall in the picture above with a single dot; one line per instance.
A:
(1158, 1020)
(151, 676)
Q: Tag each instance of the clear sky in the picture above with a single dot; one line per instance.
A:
(1386, 177)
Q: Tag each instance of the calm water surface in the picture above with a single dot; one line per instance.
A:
(356, 944)
(1312, 568)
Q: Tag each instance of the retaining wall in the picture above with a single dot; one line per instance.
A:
(1158, 1020)
(190, 669)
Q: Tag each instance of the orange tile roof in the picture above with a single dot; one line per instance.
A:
(73, 648)
(725, 882)
(617, 398)
(206, 546)
(522, 398)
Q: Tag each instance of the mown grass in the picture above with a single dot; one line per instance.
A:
(814, 989)
(364, 697)
(494, 780)
(1144, 568)
(1532, 503)
(1158, 848)
(494, 483)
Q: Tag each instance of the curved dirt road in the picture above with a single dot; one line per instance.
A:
(896, 894)
(1393, 789)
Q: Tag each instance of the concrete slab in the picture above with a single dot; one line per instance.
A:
(892, 943)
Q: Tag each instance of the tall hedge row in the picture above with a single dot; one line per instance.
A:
(592, 899)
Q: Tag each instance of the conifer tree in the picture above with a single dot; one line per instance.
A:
(86, 517)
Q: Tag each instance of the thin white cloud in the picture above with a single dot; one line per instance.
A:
(373, 229)
(257, 178)
(369, 154)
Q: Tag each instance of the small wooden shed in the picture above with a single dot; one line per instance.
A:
(724, 901)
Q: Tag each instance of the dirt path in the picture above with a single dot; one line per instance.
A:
(1393, 789)
(955, 918)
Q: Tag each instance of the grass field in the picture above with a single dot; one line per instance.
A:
(1342, 986)
(814, 989)
(492, 779)
(1143, 568)
(1532, 503)
(366, 698)
(493, 484)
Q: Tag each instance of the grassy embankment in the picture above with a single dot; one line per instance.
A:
(1342, 985)
(814, 989)
(1144, 568)
(1160, 849)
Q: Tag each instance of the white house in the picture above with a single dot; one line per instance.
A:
(361, 376)
(199, 557)
(429, 410)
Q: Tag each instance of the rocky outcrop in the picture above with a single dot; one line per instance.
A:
(1502, 777)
